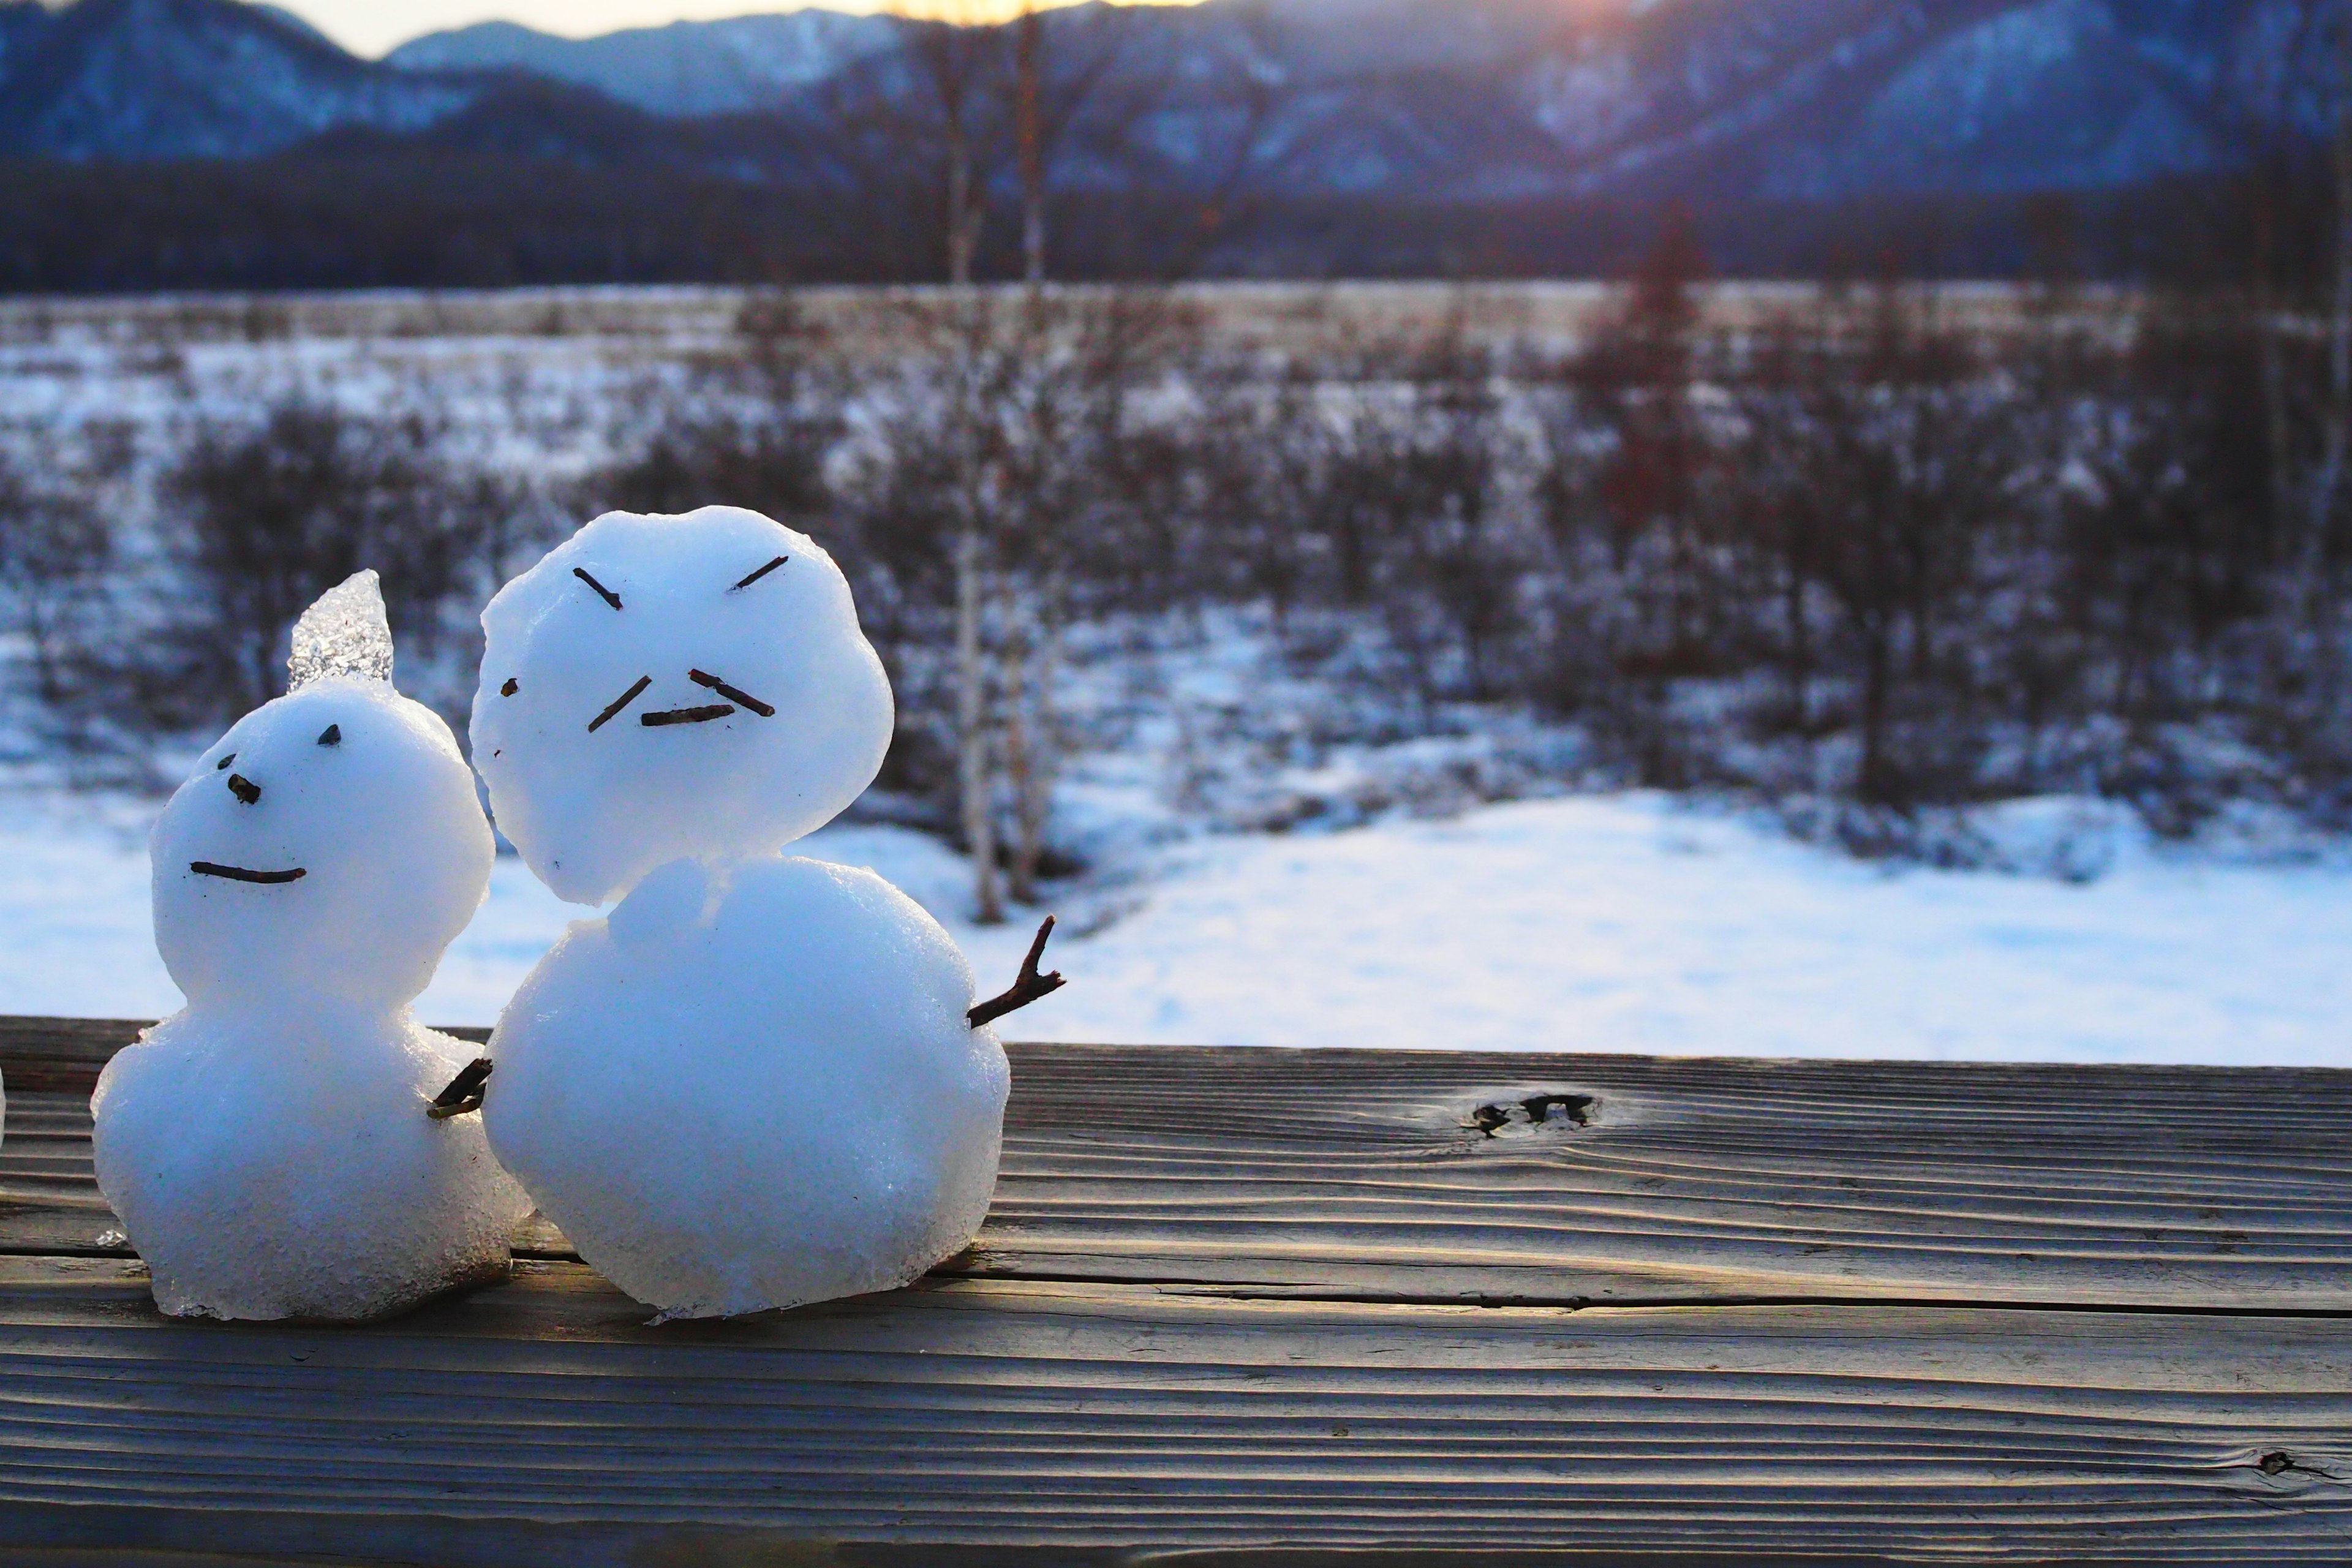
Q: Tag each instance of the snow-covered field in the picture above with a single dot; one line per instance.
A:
(1587, 922)
(1614, 922)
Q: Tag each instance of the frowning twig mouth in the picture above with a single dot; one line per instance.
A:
(686, 716)
(239, 874)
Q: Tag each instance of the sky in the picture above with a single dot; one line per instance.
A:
(372, 27)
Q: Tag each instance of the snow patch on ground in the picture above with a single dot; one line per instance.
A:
(1614, 922)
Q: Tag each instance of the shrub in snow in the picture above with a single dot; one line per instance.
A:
(753, 1084)
(267, 1149)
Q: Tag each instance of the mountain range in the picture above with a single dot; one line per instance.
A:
(687, 68)
(1795, 98)
(1459, 102)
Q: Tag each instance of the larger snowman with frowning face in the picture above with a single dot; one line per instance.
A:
(754, 1084)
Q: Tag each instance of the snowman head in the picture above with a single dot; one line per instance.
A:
(330, 846)
(659, 688)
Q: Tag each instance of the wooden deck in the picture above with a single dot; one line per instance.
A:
(1246, 1307)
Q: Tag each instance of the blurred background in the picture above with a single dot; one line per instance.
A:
(1737, 526)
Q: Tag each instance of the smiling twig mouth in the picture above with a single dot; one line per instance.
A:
(736, 695)
(686, 716)
(622, 700)
(239, 874)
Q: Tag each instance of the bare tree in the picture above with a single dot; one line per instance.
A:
(1062, 64)
(55, 552)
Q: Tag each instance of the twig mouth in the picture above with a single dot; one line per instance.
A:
(240, 874)
(686, 716)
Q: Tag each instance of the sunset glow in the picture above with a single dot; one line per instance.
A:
(373, 26)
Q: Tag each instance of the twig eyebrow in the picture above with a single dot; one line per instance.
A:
(741, 699)
(610, 597)
(763, 572)
(622, 700)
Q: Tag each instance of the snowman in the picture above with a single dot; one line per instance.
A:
(272, 1150)
(760, 1080)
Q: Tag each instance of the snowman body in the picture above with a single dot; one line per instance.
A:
(753, 1088)
(277, 1162)
(752, 1085)
(267, 1148)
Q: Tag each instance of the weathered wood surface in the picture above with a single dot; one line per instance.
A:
(1235, 1303)
(1369, 1173)
(1018, 1414)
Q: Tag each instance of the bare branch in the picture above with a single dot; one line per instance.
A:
(1030, 988)
(464, 1093)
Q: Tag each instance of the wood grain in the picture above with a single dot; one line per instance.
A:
(1276, 1310)
(1369, 1175)
(1002, 1414)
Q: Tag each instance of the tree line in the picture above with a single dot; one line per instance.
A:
(1857, 556)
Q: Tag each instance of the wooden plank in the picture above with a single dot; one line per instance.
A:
(1374, 1175)
(59, 1054)
(545, 1422)
(63, 1055)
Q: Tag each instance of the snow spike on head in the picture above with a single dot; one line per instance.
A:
(345, 633)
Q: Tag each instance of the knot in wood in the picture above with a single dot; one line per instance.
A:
(1535, 1110)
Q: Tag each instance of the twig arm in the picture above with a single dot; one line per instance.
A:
(1030, 988)
(464, 1095)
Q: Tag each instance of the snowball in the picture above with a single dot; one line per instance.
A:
(337, 867)
(345, 633)
(276, 1161)
(659, 688)
(753, 1088)
(267, 1149)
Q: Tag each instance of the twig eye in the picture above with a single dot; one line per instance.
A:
(510, 687)
(609, 596)
(332, 735)
(222, 766)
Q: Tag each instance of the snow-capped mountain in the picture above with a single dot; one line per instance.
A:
(1787, 99)
(685, 69)
(144, 79)
(1415, 99)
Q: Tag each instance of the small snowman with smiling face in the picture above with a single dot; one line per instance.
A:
(755, 1084)
(270, 1150)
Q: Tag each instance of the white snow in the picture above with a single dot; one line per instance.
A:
(752, 1085)
(267, 1148)
(1615, 922)
(329, 843)
(752, 1088)
(660, 687)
